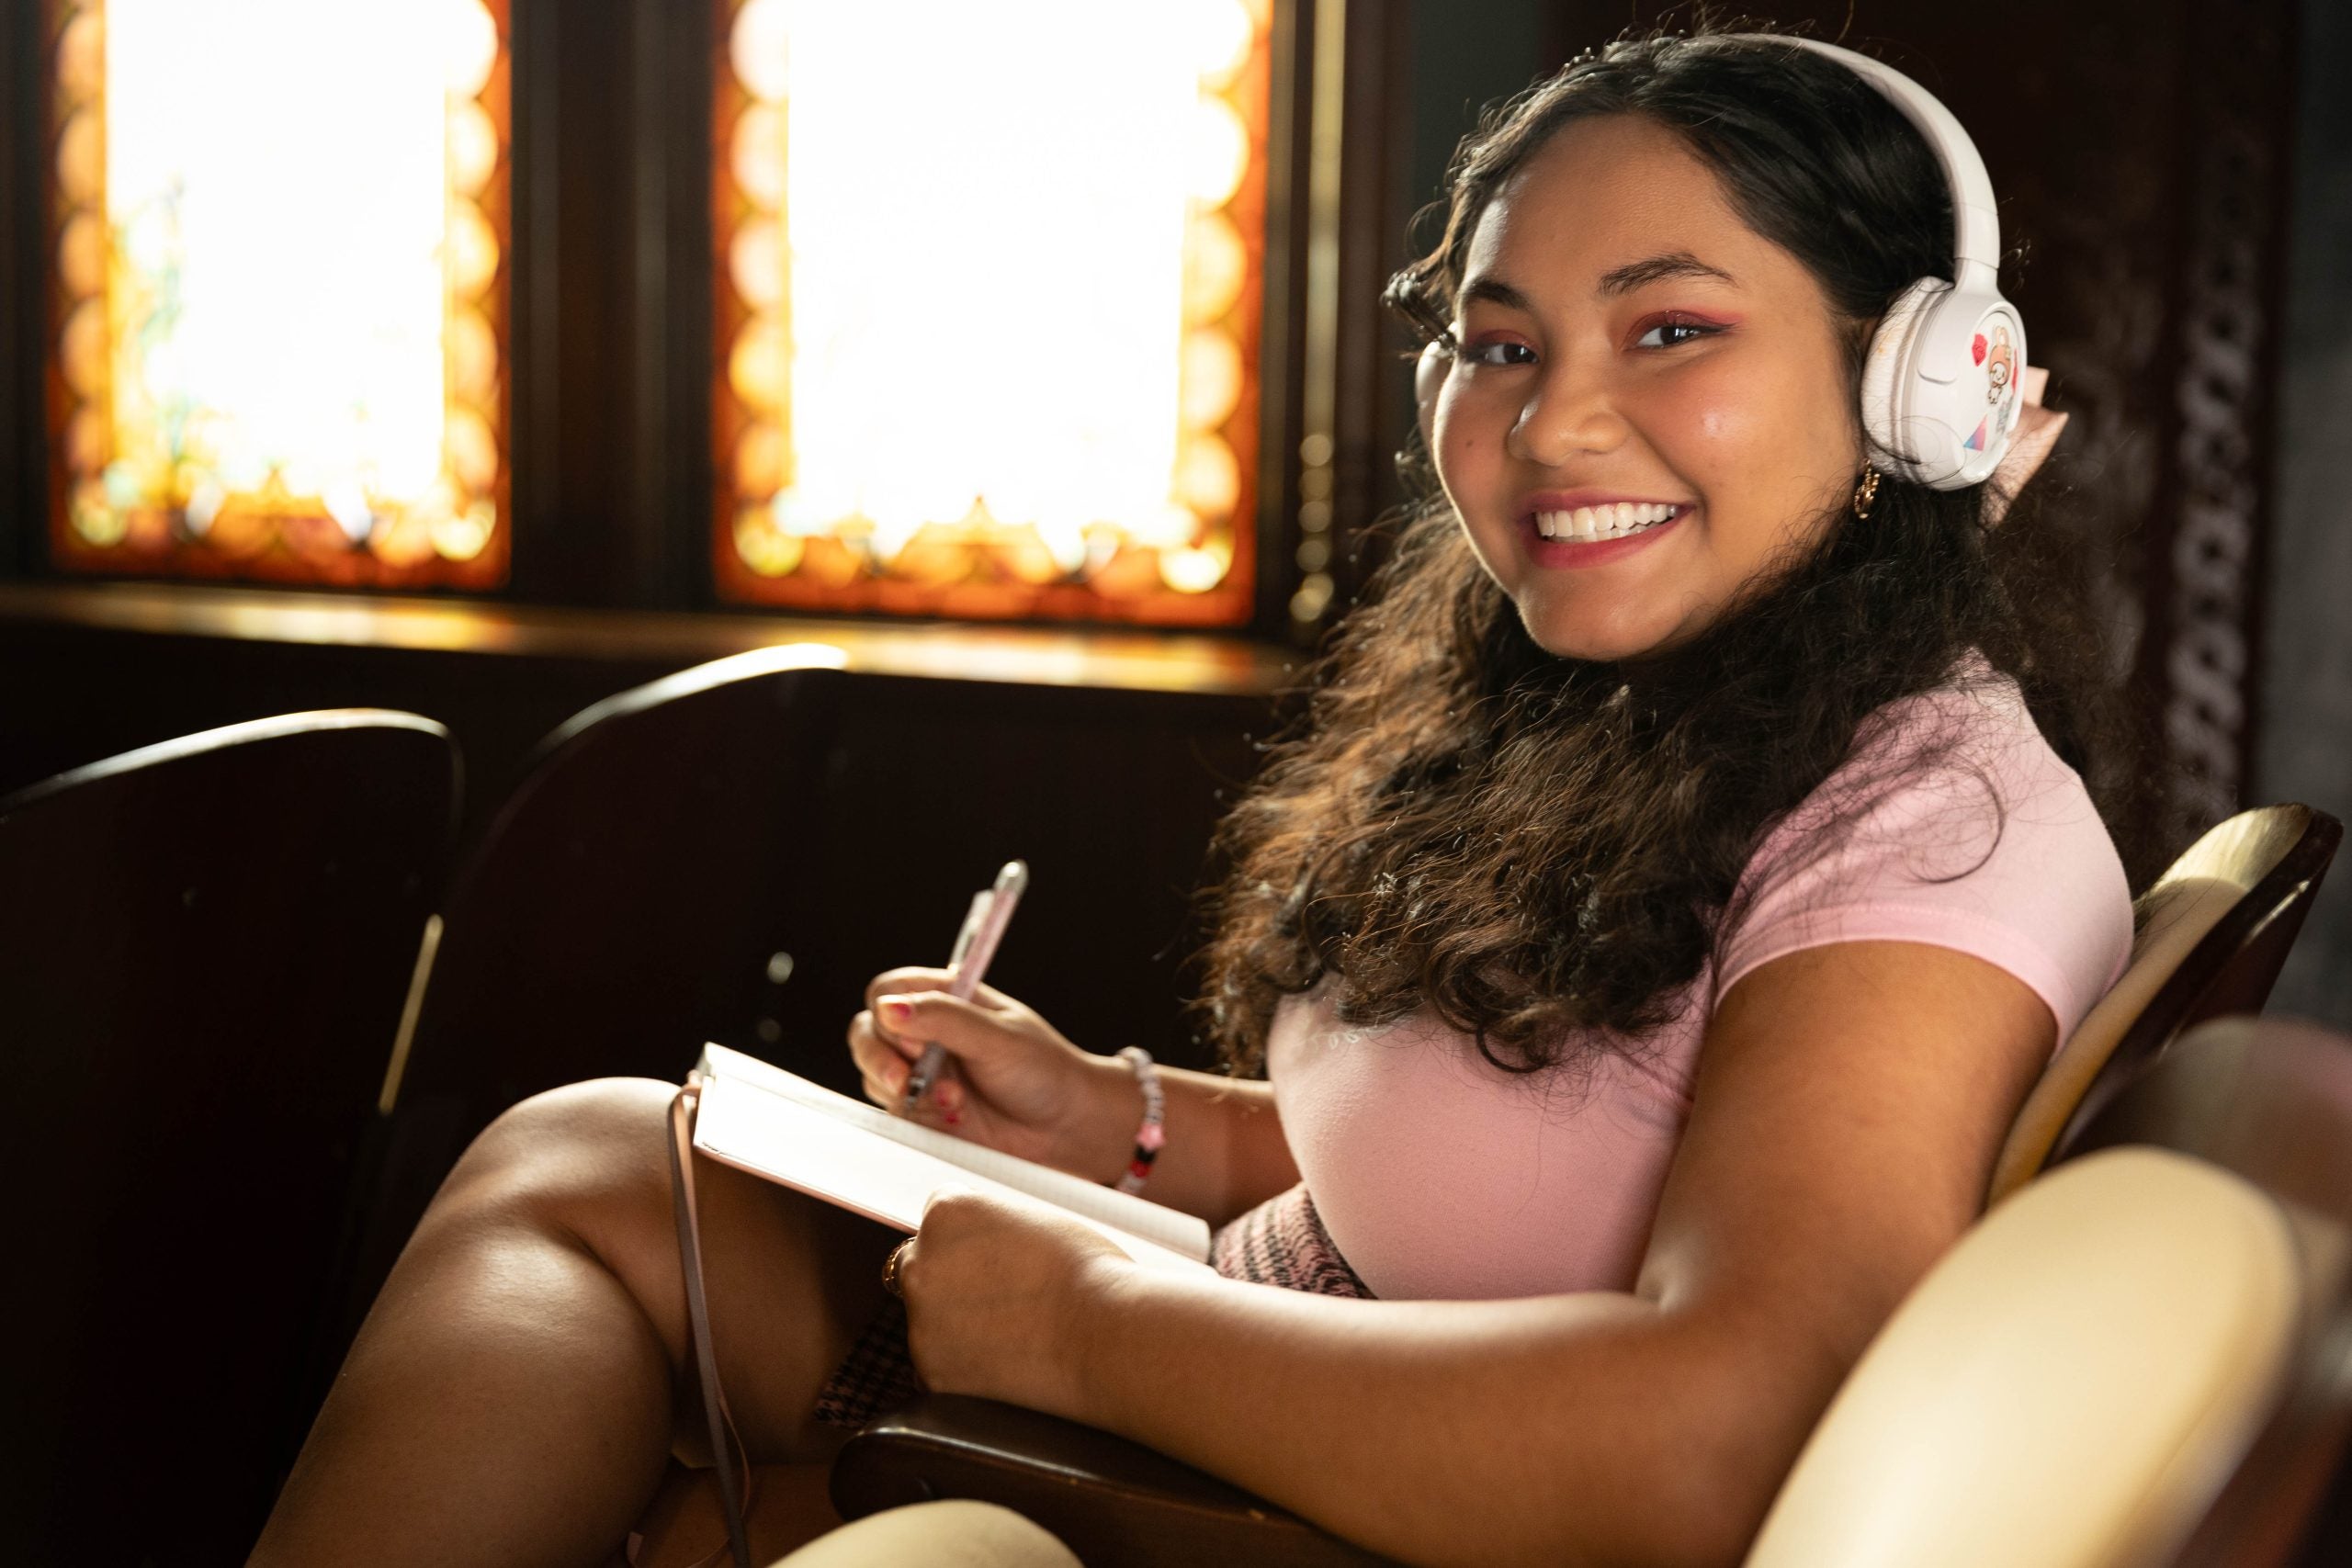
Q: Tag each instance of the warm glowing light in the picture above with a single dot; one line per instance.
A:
(757, 365)
(474, 148)
(758, 155)
(981, 290)
(471, 249)
(82, 352)
(82, 256)
(1191, 572)
(81, 158)
(765, 550)
(759, 462)
(81, 55)
(759, 49)
(1208, 480)
(1212, 377)
(1220, 153)
(463, 36)
(756, 262)
(938, 357)
(473, 357)
(277, 340)
(273, 269)
(1215, 266)
(1222, 32)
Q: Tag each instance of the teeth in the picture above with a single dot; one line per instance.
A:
(1609, 521)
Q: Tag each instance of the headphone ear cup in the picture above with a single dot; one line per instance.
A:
(1889, 432)
(1940, 384)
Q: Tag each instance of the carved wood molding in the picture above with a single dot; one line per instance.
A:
(2225, 381)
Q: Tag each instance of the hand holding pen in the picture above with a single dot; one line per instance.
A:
(939, 1045)
(976, 944)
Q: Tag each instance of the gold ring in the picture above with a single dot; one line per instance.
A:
(891, 1265)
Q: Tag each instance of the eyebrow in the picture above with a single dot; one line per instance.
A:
(1616, 281)
(1494, 291)
(1657, 269)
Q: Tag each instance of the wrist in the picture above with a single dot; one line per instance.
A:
(1100, 1137)
(1095, 1336)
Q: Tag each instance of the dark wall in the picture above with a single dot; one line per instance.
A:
(2307, 688)
(1465, 57)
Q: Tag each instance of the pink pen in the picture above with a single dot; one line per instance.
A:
(976, 944)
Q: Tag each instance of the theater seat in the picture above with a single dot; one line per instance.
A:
(2067, 1387)
(2137, 1360)
(204, 948)
(951, 1534)
(2211, 936)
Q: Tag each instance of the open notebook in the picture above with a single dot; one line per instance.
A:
(759, 1118)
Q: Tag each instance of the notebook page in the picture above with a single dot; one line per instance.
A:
(1185, 1234)
(799, 1145)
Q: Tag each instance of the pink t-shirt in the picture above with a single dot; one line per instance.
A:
(1441, 1176)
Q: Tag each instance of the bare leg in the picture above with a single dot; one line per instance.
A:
(524, 1378)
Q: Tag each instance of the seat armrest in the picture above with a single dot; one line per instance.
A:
(1108, 1500)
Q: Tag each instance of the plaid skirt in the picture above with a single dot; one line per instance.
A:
(1281, 1242)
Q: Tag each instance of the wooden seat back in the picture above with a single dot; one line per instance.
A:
(623, 904)
(204, 949)
(2212, 934)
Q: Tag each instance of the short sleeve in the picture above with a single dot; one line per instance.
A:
(1956, 824)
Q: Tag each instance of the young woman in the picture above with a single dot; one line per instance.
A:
(1685, 870)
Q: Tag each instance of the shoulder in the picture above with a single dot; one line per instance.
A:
(1955, 824)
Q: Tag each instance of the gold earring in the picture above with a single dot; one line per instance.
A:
(1866, 492)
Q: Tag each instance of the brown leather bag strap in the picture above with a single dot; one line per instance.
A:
(725, 1444)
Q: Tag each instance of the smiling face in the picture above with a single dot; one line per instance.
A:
(1649, 409)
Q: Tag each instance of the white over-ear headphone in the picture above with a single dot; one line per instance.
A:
(1940, 382)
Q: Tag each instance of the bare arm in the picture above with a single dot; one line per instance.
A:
(1849, 1103)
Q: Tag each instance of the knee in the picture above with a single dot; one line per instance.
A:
(596, 1144)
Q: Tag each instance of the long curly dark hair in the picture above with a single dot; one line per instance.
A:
(1544, 851)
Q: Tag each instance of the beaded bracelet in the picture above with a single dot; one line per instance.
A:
(1150, 1137)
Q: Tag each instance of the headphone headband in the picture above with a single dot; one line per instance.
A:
(1976, 223)
(1940, 386)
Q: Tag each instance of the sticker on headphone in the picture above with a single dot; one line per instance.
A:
(1999, 362)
